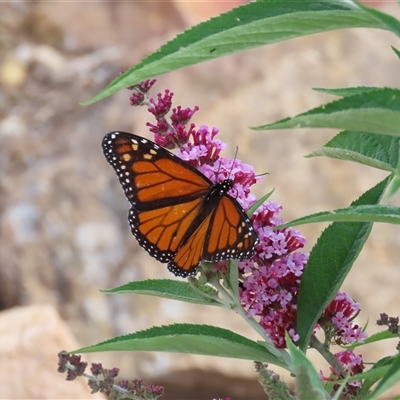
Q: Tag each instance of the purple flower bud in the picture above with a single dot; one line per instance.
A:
(136, 99)
(96, 369)
(162, 105)
(145, 86)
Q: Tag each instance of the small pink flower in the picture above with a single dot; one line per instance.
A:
(162, 105)
(270, 290)
(341, 312)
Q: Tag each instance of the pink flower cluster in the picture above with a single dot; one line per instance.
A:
(174, 134)
(271, 278)
(350, 362)
(337, 321)
(337, 324)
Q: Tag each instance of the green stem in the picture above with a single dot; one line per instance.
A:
(214, 296)
(283, 358)
(252, 322)
(226, 296)
(329, 357)
(281, 355)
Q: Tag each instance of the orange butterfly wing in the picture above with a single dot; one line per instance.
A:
(225, 233)
(178, 216)
(150, 175)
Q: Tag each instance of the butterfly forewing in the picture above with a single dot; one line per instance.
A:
(150, 175)
(178, 215)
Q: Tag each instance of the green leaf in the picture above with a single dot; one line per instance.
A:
(166, 288)
(376, 337)
(309, 376)
(377, 371)
(259, 203)
(395, 186)
(391, 378)
(304, 387)
(330, 261)
(190, 339)
(248, 26)
(397, 52)
(373, 373)
(375, 111)
(378, 151)
(344, 92)
(366, 213)
(396, 181)
(390, 22)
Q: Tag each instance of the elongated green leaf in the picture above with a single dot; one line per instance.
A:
(191, 339)
(166, 288)
(351, 91)
(376, 373)
(378, 370)
(248, 26)
(378, 151)
(391, 378)
(397, 52)
(259, 203)
(390, 22)
(396, 181)
(309, 380)
(365, 213)
(395, 186)
(376, 337)
(375, 111)
(330, 261)
(304, 387)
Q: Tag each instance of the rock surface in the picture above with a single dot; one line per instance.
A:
(30, 338)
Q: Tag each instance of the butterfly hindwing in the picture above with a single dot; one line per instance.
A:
(224, 233)
(189, 255)
(230, 234)
(161, 231)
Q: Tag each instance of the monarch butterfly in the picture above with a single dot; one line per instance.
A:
(178, 215)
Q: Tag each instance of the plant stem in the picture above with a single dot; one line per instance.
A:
(329, 357)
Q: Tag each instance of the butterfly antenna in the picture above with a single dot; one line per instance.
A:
(217, 173)
(234, 159)
(230, 172)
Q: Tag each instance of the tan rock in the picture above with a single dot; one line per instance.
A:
(30, 338)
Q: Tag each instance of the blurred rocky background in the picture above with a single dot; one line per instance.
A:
(64, 232)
